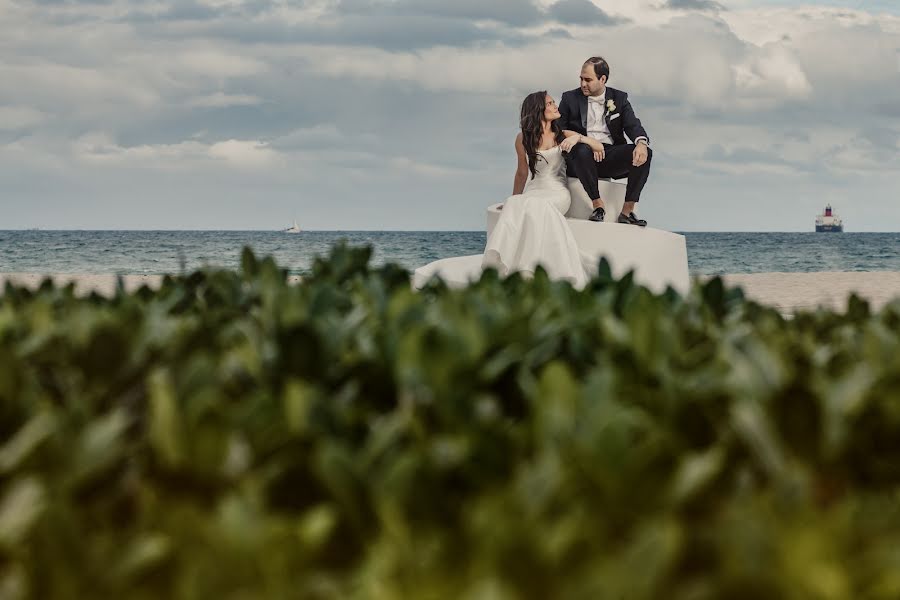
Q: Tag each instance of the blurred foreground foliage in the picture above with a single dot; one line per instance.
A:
(232, 436)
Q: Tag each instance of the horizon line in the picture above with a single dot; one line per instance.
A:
(37, 230)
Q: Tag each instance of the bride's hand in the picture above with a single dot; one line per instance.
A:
(567, 144)
(598, 156)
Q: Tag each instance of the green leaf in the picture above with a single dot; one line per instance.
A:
(37, 430)
(166, 435)
(21, 506)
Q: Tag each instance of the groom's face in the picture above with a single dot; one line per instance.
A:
(590, 85)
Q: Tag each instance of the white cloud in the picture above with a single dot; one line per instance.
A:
(789, 95)
(219, 64)
(19, 117)
(100, 149)
(696, 63)
(764, 25)
(245, 154)
(221, 100)
(772, 68)
(71, 89)
(405, 164)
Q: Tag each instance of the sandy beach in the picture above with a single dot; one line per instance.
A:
(85, 283)
(787, 292)
(790, 292)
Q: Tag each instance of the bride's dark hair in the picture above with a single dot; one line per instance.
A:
(532, 122)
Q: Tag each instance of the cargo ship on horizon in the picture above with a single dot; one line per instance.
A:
(829, 222)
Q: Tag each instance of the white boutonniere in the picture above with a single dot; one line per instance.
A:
(610, 106)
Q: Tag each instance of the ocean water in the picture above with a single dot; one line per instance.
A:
(157, 252)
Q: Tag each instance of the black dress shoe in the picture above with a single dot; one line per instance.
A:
(631, 219)
(598, 215)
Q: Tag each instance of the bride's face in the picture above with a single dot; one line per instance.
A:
(551, 113)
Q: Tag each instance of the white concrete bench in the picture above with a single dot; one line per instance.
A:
(612, 191)
(657, 257)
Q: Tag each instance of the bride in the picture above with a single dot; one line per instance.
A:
(532, 229)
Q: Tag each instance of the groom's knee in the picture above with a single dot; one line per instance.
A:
(582, 157)
(582, 151)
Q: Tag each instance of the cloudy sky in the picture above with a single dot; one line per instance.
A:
(401, 114)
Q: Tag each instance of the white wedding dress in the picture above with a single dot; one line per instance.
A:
(533, 231)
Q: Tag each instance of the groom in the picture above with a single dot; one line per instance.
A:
(604, 115)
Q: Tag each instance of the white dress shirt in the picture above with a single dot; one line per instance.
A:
(596, 120)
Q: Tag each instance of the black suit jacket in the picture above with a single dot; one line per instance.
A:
(573, 108)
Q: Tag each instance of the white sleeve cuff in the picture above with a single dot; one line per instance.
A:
(643, 137)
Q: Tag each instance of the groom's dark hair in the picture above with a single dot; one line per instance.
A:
(601, 67)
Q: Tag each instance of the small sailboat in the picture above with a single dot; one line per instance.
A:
(293, 228)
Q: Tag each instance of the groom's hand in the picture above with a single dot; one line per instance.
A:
(639, 156)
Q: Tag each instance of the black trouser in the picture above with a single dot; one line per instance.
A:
(616, 164)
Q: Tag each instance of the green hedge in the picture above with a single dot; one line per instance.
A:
(231, 436)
